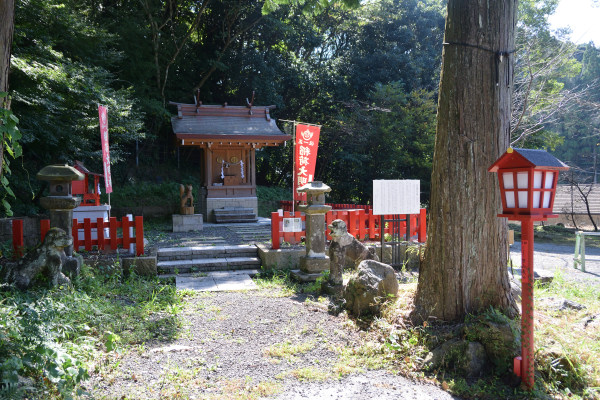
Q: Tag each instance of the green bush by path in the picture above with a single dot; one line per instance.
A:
(49, 338)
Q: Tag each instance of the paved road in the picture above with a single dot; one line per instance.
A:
(551, 257)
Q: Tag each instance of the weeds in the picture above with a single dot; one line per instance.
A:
(49, 338)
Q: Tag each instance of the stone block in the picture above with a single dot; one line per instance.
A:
(313, 265)
(187, 223)
(284, 258)
(143, 266)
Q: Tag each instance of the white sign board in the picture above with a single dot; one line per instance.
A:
(396, 196)
(292, 224)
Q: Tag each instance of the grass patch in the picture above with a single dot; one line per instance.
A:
(288, 351)
(49, 339)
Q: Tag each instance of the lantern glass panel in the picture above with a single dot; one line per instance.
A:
(508, 180)
(510, 199)
(523, 199)
(547, 196)
(522, 180)
(537, 181)
(549, 180)
(536, 199)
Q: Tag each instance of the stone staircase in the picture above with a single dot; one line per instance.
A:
(231, 215)
(184, 260)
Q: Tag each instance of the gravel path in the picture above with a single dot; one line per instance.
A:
(264, 344)
(253, 344)
(552, 257)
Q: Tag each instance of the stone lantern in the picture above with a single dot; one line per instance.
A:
(60, 203)
(315, 261)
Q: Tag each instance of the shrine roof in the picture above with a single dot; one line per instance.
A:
(224, 122)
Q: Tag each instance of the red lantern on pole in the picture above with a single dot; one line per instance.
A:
(528, 181)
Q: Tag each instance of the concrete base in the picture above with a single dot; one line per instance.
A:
(143, 266)
(284, 258)
(302, 276)
(187, 223)
(311, 265)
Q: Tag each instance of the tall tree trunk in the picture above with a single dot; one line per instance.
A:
(466, 257)
(7, 14)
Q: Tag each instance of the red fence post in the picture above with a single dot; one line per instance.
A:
(275, 230)
(362, 223)
(422, 225)
(126, 236)
(87, 234)
(75, 234)
(139, 236)
(17, 234)
(113, 233)
(100, 233)
(44, 227)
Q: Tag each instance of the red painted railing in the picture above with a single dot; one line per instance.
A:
(286, 205)
(361, 224)
(102, 242)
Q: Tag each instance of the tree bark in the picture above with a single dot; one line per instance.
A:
(465, 266)
(7, 14)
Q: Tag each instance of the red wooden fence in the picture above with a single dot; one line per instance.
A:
(102, 242)
(361, 224)
(286, 205)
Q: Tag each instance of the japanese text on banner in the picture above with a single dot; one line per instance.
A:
(102, 112)
(307, 144)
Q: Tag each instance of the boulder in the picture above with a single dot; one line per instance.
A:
(465, 357)
(369, 287)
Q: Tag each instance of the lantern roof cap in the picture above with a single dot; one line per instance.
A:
(59, 173)
(527, 158)
(314, 187)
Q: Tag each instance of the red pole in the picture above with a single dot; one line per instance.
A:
(17, 234)
(139, 236)
(275, 230)
(527, 353)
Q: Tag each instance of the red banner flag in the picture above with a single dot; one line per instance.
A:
(102, 112)
(307, 144)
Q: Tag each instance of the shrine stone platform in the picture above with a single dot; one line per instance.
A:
(187, 223)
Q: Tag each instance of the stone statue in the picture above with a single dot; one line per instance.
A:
(187, 199)
(42, 265)
(344, 245)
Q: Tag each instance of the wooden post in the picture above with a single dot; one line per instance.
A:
(139, 236)
(422, 225)
(17, 234)
(100, 233)
(275, 230)
(74, 234)
(126, 236)
(44, 227)
(113, 233)
(527, 355)
(87, 233)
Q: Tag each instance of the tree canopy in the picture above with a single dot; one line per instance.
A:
(367, 72)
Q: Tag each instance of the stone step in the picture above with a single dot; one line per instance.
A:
(208, 264)
(233, 210)
(199, 252)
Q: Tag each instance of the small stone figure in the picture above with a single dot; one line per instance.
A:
(344, 245)
(43, 264)
(187, 199)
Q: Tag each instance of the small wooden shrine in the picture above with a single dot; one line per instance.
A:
(90, 195)
(229, 137)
